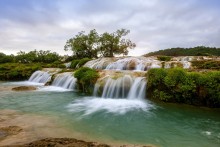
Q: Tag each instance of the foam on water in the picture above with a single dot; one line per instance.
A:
(53, 88)
(24, 83)
(92, 105)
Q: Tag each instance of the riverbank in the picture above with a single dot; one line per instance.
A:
(20, 129)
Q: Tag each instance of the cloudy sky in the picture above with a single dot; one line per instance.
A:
(154, 24)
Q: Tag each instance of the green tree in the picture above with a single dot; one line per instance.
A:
(113, 43)
(83, 45)
(37, 56)
(107, 44)
(6, 58)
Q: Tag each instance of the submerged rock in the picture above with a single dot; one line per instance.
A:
(24, 88)
(64, 142)
(10, 130)
(71, 142)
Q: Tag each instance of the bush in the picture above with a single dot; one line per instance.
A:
(79, 63)
(83, 61)
(74, 64)
(164, 58)
(86, 78)
(177, 85)
(17, 71)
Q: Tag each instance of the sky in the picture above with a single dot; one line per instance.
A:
(26, 25)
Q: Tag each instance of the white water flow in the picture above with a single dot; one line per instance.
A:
(40, 77)
(65, 80)
(138, 63)
(123, 87)
(117, 96)
(137, 89)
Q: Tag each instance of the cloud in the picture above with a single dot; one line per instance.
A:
(154, 24)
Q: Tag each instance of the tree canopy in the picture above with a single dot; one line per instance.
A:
(92, 45)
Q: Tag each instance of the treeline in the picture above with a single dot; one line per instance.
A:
(22, 65)
(195, 51)
(179, 86)
(31, 57)
(17, 71)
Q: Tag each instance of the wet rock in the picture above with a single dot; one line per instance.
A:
(24, 88)
(64, 142)
(11, 130)
(3, 134)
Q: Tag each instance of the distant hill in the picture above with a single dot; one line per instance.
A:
(196, 51)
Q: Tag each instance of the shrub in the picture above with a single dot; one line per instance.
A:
(177, 85)
(74, 64)
(86, 78)
(83, 61)
(17, 71)
(79, 63)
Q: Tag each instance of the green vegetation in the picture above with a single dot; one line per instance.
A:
(92, 44)
(196, 51)
(177, 85)
(31, 57)
(83, 61)
(37, 57)
(206, 64)
(74, 64)
(6, 58)
(21, 71)
(17, 71)
(164, 58)
(78, 63)
(86, 78)
(21, 67)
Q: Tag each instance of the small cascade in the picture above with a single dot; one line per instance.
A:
(127, 64)
(65, 80)
(122, 87)
(137, 89)
(40, 77)
(101, 63)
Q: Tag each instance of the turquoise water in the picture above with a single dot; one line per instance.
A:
(121, 120)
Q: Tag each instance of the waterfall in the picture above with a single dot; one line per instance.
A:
(138, 63)
(122, 87)
(40, 77)
(129, 63)
(65, 80)
(138, 89)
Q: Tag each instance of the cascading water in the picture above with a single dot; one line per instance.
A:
(118, 96)
(65, 80)
(40, 77)
(123, 87)
(138, 63)
(117, 88)
(137, 89)
(130, 63)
